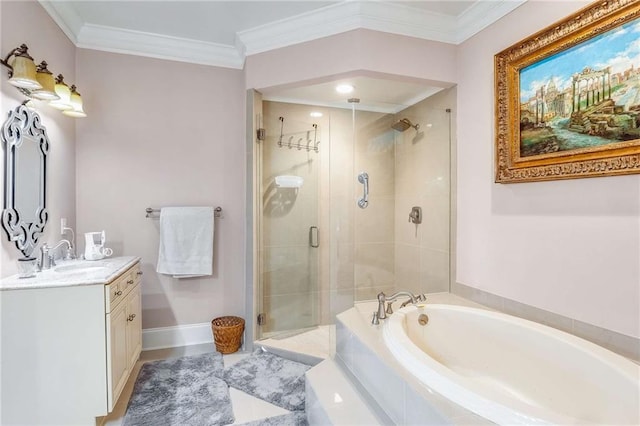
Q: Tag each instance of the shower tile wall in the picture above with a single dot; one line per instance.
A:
(340, 265)
(362, 251)
(362, 240)
(374, 231)
(422, 178)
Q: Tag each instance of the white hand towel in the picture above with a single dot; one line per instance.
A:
(186, 241)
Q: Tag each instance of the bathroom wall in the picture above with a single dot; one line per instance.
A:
(422, 178)
(27, 22)
(162, 133)
(570, 247)
(360, 52)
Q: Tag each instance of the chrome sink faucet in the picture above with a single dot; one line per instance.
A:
(383, 298)
(46, 259)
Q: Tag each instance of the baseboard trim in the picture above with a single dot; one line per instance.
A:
(179, 335)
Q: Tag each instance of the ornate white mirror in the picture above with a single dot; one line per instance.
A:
(26, 145)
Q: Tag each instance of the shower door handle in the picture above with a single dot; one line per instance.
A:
(363, 178)
(314, 240)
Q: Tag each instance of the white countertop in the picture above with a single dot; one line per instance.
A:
(98, 272)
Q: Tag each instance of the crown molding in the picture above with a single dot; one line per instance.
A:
(482, 14)
(65, 16)
(327, 21)
(347, 16)
(139, 43)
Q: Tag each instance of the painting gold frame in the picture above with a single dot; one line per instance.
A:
(610, 159)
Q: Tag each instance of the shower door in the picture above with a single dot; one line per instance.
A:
(289, 232)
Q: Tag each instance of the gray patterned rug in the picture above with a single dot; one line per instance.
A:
(183, 391)
(271, 378)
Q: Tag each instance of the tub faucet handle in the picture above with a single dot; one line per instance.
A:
(382, 298)
(389, 308)
(374, 319)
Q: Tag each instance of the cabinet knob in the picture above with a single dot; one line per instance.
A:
(118, 293)
(139, 273)
(131, 317)
(130, 282)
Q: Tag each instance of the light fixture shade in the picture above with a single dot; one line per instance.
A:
(64, 95)
(45, 78)
(23, 70)
(344, 88)
(76, 103)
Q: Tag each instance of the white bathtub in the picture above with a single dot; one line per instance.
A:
(513, 371)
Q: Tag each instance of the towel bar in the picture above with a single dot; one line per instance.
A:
(217, 212)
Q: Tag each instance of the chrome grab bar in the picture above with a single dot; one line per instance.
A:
(363, 178)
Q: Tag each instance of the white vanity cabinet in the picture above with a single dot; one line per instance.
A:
(124, 330)
(69, 342)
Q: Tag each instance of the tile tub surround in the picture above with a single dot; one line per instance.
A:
(331, 399)
(360, 349)
(624, 345)
(513, 371)
(111, 268)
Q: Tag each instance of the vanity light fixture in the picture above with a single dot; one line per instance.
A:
(23, 69)
(38, 83)
(76, 105)
(64, 95)
(45, 78)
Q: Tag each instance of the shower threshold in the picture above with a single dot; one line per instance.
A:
(318, 341)
(279, 335)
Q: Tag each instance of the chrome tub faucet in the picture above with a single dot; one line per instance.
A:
(383, 298)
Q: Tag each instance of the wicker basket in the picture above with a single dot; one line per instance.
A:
(227, 333)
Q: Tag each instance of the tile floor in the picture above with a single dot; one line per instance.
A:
(319, 342)
(246, 408)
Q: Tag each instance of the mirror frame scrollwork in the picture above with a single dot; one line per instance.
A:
(23, 122)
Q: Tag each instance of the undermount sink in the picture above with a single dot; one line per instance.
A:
(80, 267)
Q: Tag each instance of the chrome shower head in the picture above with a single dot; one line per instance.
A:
(404, 124)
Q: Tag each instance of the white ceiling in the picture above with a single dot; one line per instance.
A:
(223, 33)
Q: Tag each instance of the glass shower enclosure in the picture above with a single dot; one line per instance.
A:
(321, 246)
(290, 237)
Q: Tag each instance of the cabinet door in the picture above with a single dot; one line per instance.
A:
(117, 365)
(134, 326)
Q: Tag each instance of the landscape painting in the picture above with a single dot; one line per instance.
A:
(587, 96)
(567, 98)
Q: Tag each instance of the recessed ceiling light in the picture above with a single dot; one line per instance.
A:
(344, 88)
(316, 114)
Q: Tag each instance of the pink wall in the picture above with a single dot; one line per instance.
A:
(358, 51)
(18, 21)
(167, 133)
(163, 133)
(571, 247)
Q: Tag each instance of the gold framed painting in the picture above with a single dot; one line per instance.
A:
(568, 98)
